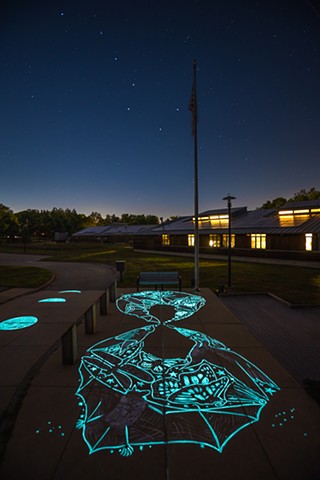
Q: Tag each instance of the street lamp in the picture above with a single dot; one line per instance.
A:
(229, 198)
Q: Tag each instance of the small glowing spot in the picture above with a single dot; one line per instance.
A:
(128, 108)
(116, 58)
(305, 434)
(70, 291)
(52, 300)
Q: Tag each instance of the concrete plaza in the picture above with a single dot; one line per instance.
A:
(45, 443)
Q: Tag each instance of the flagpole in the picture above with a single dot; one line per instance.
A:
(196, 200)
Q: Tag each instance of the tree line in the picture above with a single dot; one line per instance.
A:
(300, 196)
(42, 224)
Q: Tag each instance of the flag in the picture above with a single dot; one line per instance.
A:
(193, 107)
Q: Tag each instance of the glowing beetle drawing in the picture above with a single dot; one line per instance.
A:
(132, 398)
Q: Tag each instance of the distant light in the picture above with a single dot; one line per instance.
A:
(52, 300)
(18, 322)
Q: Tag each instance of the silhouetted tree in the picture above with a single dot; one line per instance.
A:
(8, 222)
(276, 203)
(304, 195)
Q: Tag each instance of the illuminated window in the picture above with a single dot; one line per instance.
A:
(225, 240)
(165, 239)
(191, 240)
(308, 241)
(258, 240)
(214, 221)
(214, 240)
(293, 218)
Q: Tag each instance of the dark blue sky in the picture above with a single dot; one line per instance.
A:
(94, 103)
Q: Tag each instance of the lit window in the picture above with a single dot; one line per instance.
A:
(191, 240)
(214, 221)
(165, 239)
(308, 241)
(225, 240)
(214, 240)
(258, 240)
(293, 218)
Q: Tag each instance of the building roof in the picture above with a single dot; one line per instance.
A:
(113, 229)
(303, 204)
(244, 221)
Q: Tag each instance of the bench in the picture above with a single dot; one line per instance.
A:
(57, 323)
(158, 279)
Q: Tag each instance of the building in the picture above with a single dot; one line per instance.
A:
(114, 233)
(292, 231)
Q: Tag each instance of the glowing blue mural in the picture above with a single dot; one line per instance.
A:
(17, 323)
(132, 398)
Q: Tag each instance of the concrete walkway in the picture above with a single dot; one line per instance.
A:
(86, 276)
(292, 335)
(282, 444)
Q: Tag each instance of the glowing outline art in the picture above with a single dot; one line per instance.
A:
(127, 394)
(17, 323)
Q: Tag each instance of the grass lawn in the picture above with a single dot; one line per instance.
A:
(23, 277)
(294, 284)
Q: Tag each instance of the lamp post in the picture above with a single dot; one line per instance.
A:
(229, 198)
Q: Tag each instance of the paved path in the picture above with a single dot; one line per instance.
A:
(283, 444)
(292, 335)
(86, 276)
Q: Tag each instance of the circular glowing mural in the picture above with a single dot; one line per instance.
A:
(18, 322)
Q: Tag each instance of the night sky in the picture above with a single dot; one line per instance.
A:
(94, 103)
